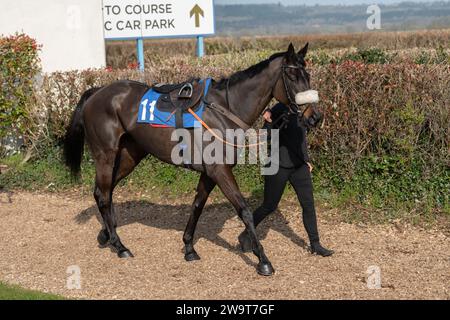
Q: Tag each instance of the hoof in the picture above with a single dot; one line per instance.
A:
(191, 256)
(125, 254)
(265, 269)
(103, 238)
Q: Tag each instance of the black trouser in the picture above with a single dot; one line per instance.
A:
(274, 185)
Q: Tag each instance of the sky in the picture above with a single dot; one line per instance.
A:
(314, 2)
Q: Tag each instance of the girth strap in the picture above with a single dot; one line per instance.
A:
(179, 118)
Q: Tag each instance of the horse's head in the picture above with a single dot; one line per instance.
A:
(293, 87)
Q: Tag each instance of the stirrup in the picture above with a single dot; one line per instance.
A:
(186, 91)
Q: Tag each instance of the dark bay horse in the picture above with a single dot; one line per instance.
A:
(106, 118)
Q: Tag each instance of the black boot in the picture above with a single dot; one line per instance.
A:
(245, 242)
(317, 248)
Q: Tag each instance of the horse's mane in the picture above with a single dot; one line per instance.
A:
(247, 73)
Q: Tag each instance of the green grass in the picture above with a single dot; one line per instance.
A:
(12, 292)
(50, 174)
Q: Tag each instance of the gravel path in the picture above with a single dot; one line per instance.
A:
(43, 234)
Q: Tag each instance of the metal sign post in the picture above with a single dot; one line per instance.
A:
(140, 53)
(145, 19)
(200, 47)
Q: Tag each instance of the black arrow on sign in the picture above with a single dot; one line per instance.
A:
(198, 12)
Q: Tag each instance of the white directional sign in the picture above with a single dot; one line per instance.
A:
(157, 18)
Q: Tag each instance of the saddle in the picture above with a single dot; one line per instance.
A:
(179, 98)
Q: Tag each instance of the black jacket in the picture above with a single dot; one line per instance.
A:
(293, 145)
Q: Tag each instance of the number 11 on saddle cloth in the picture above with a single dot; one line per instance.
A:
(151, 113)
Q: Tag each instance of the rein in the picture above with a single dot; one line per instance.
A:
(218, 137)
(227, 113)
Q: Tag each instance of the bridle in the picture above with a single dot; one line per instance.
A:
(294, 108)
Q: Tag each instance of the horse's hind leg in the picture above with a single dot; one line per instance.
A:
(204, 188)
(128, 157)
(106, 170)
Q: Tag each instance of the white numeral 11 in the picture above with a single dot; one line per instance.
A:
(144, 110)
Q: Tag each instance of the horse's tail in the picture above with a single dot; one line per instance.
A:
(74, 139)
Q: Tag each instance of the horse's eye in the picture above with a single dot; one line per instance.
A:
(293, 75)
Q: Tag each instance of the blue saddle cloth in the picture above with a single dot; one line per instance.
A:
(149, 112)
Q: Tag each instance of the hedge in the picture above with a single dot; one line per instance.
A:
(370, 109)
(19, 64)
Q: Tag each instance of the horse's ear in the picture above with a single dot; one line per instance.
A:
(303, 50)
(290, 54)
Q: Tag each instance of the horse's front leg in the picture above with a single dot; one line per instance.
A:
(204, 188)
(223, 176)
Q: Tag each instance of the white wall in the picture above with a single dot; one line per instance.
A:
(71, 31)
